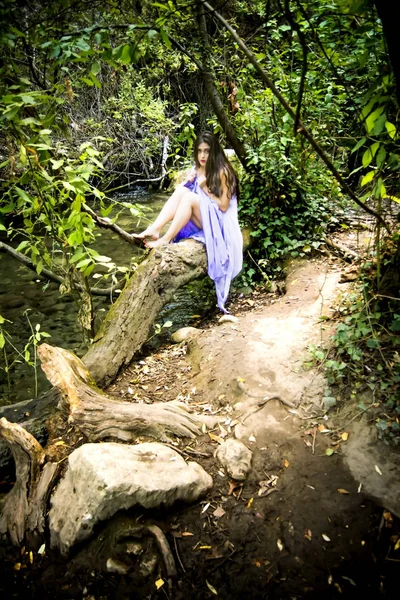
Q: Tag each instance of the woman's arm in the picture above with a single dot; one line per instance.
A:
(224, 199)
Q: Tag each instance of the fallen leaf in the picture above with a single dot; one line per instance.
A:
(322, 429)
(344, 436)
(205, 507)
(159, 583)
(359, 488)
(187, 533)
(42, 549)
(31, 557)
(215, 438)
(397, 546)
(233, 485)
(204, 428)
(342, 491)
(219, 512)
(308, 534)
(257, 563)
(326, 538)
(286, 463)
(250, 502)
(17, 566)
(377, 469)
(130, 390)
(211, 588)
(279, 544)
(252, 438)
(60, 443)
(222, 431)
(329, 451)
(349, 580)
(146, 370)
(205, 547)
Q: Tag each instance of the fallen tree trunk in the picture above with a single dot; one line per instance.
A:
(130, 320)
(98, 416)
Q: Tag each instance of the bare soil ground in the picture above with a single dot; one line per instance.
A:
(301, 525)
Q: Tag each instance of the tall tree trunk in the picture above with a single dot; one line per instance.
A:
(388, 12)
(213, 94)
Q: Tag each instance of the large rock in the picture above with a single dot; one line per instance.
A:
(102, 479)
(374, 464)
(184, 333)
(236, 458)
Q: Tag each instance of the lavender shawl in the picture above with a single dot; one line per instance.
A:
(223, 240)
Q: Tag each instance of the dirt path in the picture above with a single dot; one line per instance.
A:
(300, 526)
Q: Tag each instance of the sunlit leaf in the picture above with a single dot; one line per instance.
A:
(211, 588)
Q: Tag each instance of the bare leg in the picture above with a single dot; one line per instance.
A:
(166, 215)
(188, 209)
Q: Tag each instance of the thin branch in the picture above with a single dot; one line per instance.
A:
(295, 26)
(302, 128)
(108, 224)
(46, 274)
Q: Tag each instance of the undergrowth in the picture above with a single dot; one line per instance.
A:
(365, 354)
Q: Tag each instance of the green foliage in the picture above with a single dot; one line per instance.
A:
(28, 355)
(365, 354)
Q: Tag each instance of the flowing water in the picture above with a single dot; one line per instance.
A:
(26, 301)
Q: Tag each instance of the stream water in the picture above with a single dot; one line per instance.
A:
(26, 301)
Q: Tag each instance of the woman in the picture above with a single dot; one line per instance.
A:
(205, 209)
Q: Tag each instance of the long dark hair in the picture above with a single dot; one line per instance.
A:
(217, 162)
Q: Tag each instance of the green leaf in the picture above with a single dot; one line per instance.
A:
(102, 258)
(329, 451)
(23, 195)
(84, 263)
(391, 129)
(367, 178)
(380, 157)
(2, 340)
(371, 120)
(95, 69)
(2, 227)
(359, 144)
(165, 38)
(56, 164)
(10, 113)
(369, 154)
(125, 57)
(23, 245)
(95, 80)
(28, 99)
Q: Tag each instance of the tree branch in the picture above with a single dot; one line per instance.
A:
(302, 39)
(46, 274)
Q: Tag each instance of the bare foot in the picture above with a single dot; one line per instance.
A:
(157, 243)
(147, 233)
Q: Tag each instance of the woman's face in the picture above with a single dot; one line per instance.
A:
(203, 152)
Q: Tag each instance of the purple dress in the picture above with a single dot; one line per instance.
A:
(222, 237)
